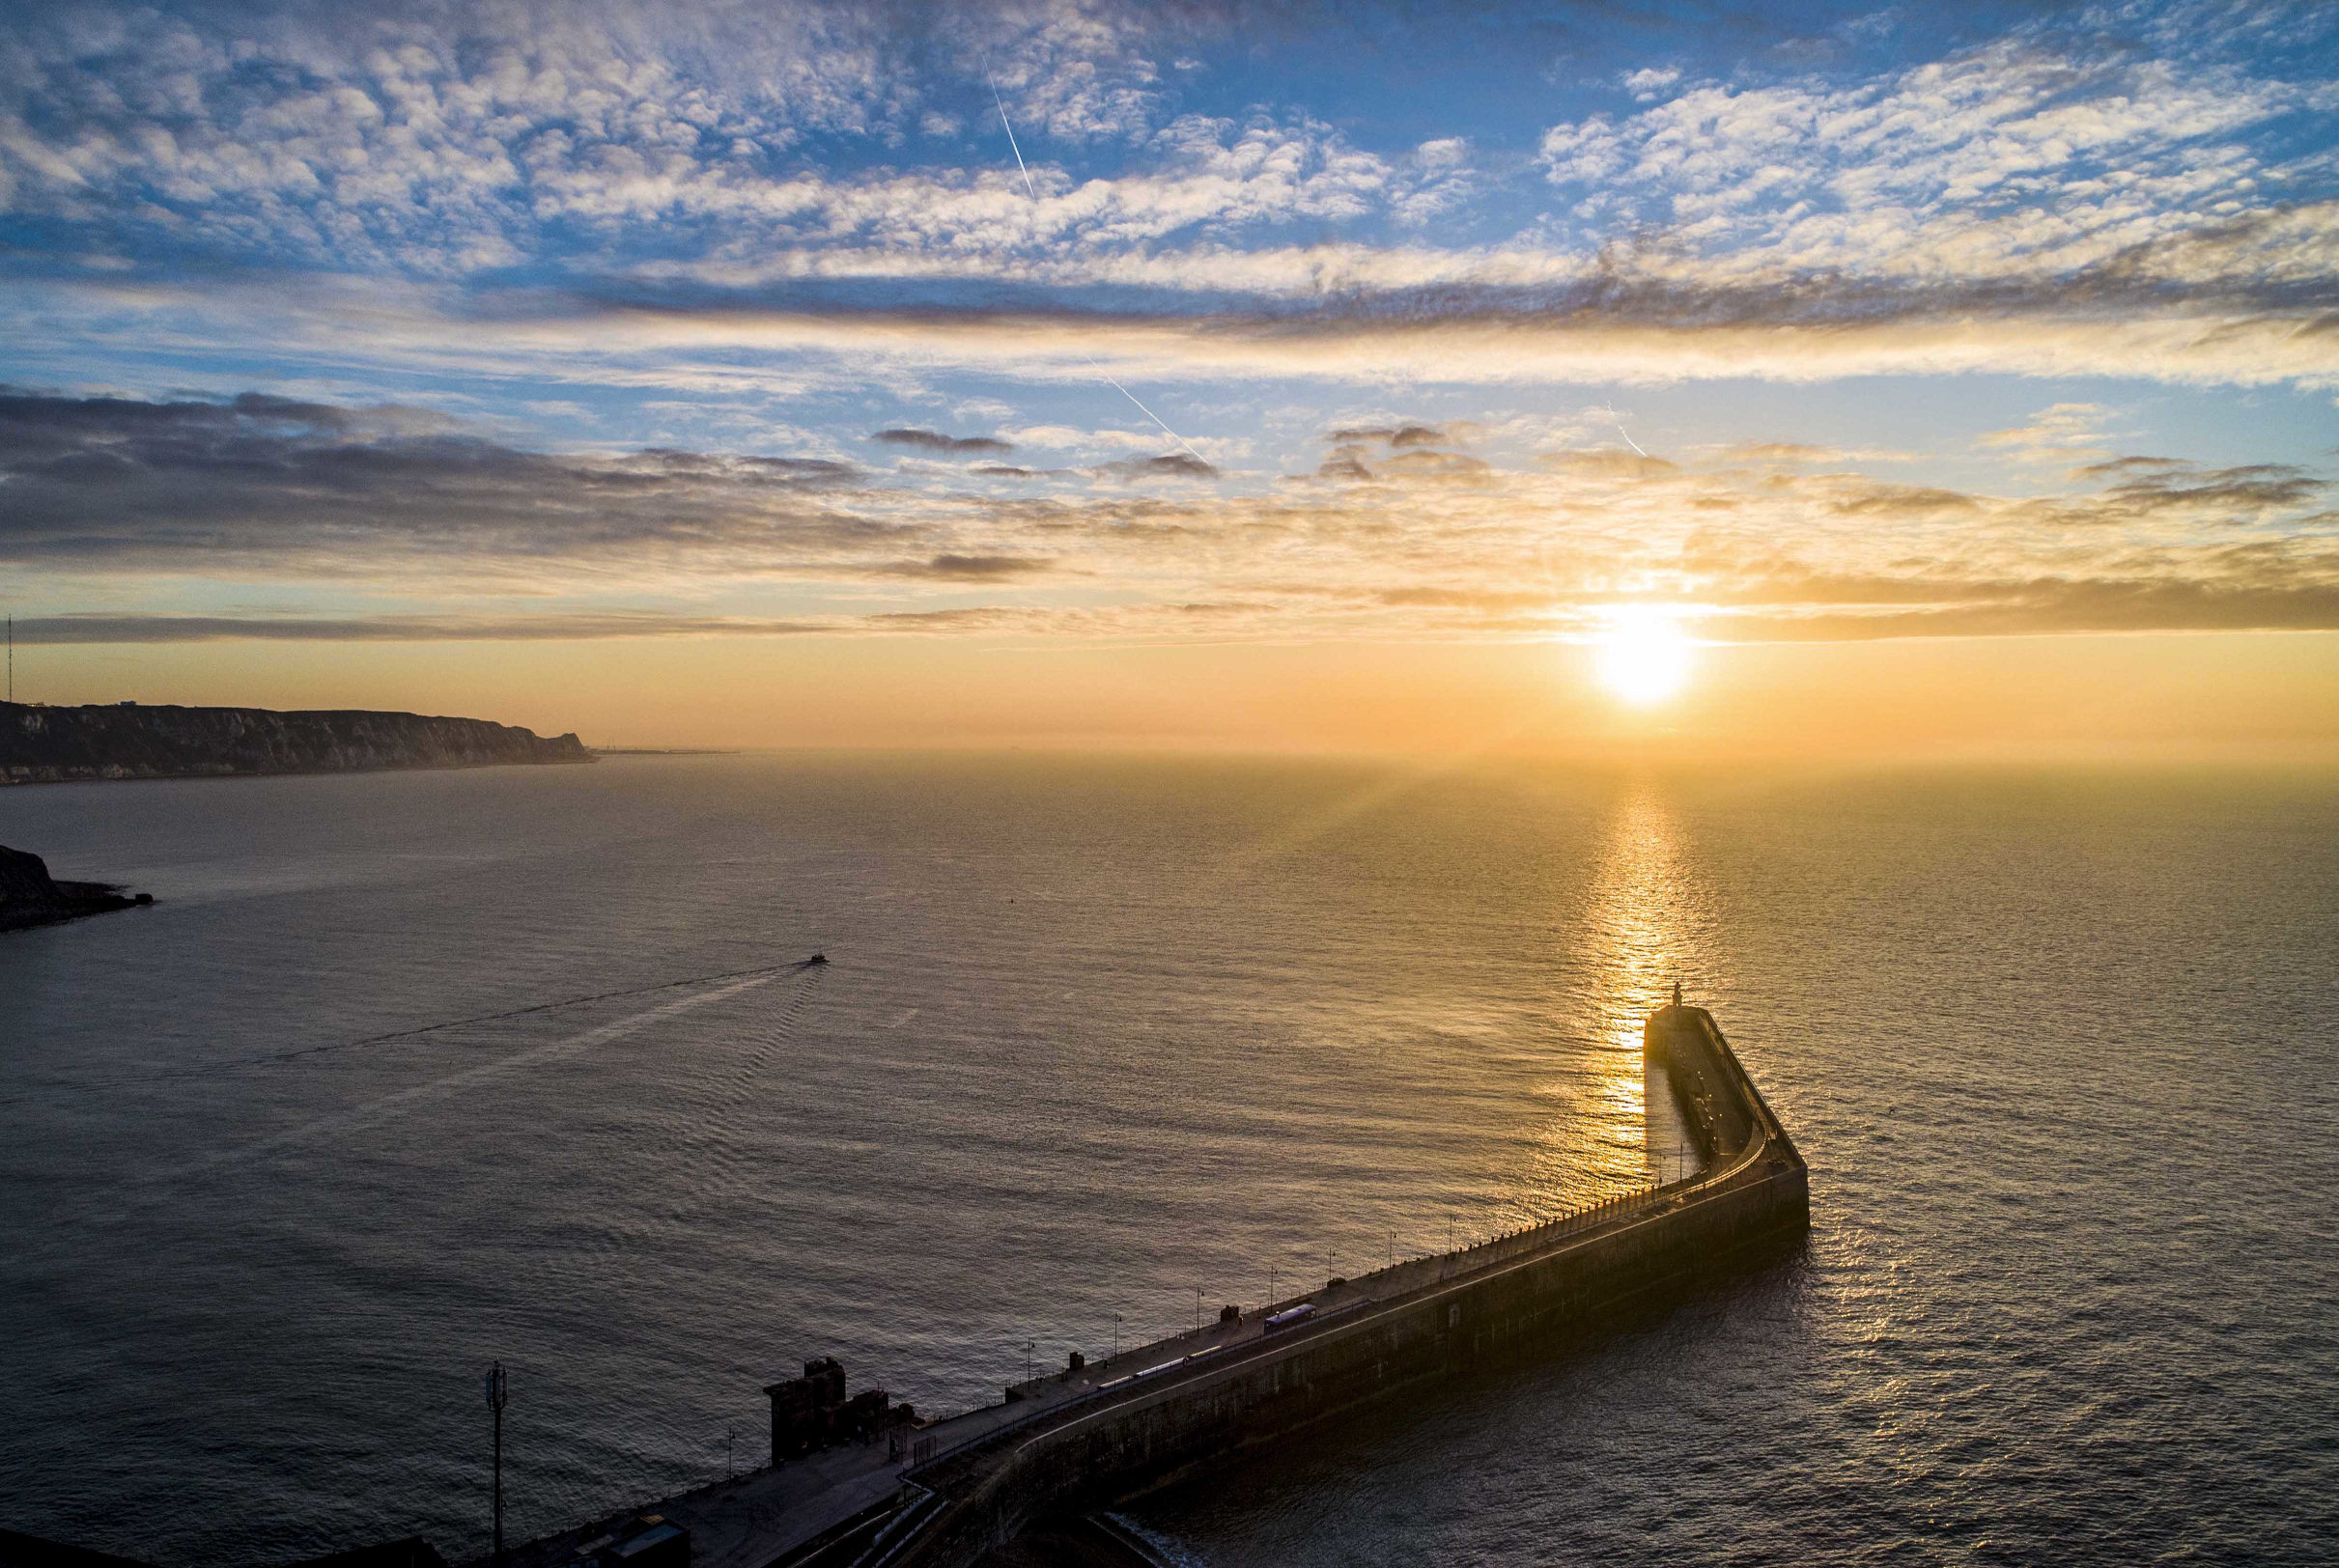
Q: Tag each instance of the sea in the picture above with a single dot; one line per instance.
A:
(407, 1073)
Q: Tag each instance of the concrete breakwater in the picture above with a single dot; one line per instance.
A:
(41, 744)
(943, 1494)
(1425, 1321)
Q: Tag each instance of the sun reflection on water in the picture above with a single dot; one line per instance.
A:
(1614, 1125)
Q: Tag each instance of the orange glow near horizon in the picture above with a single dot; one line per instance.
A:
(2243, 696)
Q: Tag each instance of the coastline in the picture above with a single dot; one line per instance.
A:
(240, 775)
(126, 742)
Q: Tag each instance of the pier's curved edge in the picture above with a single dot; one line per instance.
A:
(1749, 1202)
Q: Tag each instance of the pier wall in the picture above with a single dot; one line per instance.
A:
(1750, 1204)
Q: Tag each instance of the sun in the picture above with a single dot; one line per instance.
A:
(1643, 656)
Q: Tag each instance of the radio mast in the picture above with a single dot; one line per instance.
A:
(498, 1393)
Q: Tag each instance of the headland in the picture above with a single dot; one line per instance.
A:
(29, 896)
(42, 744)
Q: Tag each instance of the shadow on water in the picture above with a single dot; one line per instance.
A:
(1326, 1494)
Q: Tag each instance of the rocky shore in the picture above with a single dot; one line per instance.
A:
(29, 896)
(41, 744)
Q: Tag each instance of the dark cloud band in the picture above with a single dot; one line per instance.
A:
(285, 491)
(931, 440)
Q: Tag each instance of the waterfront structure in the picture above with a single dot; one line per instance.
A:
(941, 1493)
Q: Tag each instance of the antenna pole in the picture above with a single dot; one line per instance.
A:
(496, 1394)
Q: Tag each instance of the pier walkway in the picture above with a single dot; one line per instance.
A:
(1083, 1437)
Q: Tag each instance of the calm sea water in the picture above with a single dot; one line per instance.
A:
(1096, 1033)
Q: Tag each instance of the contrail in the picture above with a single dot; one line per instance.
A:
(1029, 189)
(1622, 431)
(1032, 191)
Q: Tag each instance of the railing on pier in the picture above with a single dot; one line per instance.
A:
(1490, 1253)
(1765, 1135)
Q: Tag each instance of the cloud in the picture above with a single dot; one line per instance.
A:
(1468, 599)
(968, 568)
(1171, 466)
(935, 441)
(960, 620)
(1800, 454)
(1609, 462)
(1984, 608)
(445, 140)
(2051, 203)
(716, 238)
(541, 626)
(1397, 453)
(2127, 467)
(2223, 492)
(1914, 502)
(1412, 435)
(310, 486)
(1455, 340)
(133, 502)
(2032, 158)
(2062, 608)
(1647, 83)
(1398, 435)
(2057, 434)
(1436, 465)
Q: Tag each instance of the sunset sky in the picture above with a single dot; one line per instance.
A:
(1927, 379)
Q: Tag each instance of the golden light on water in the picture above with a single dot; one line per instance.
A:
(1644, 657)
(1614, 1124)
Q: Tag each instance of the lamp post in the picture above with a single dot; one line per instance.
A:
(497, 1394)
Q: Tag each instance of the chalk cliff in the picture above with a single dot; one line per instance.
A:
(53, 746)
